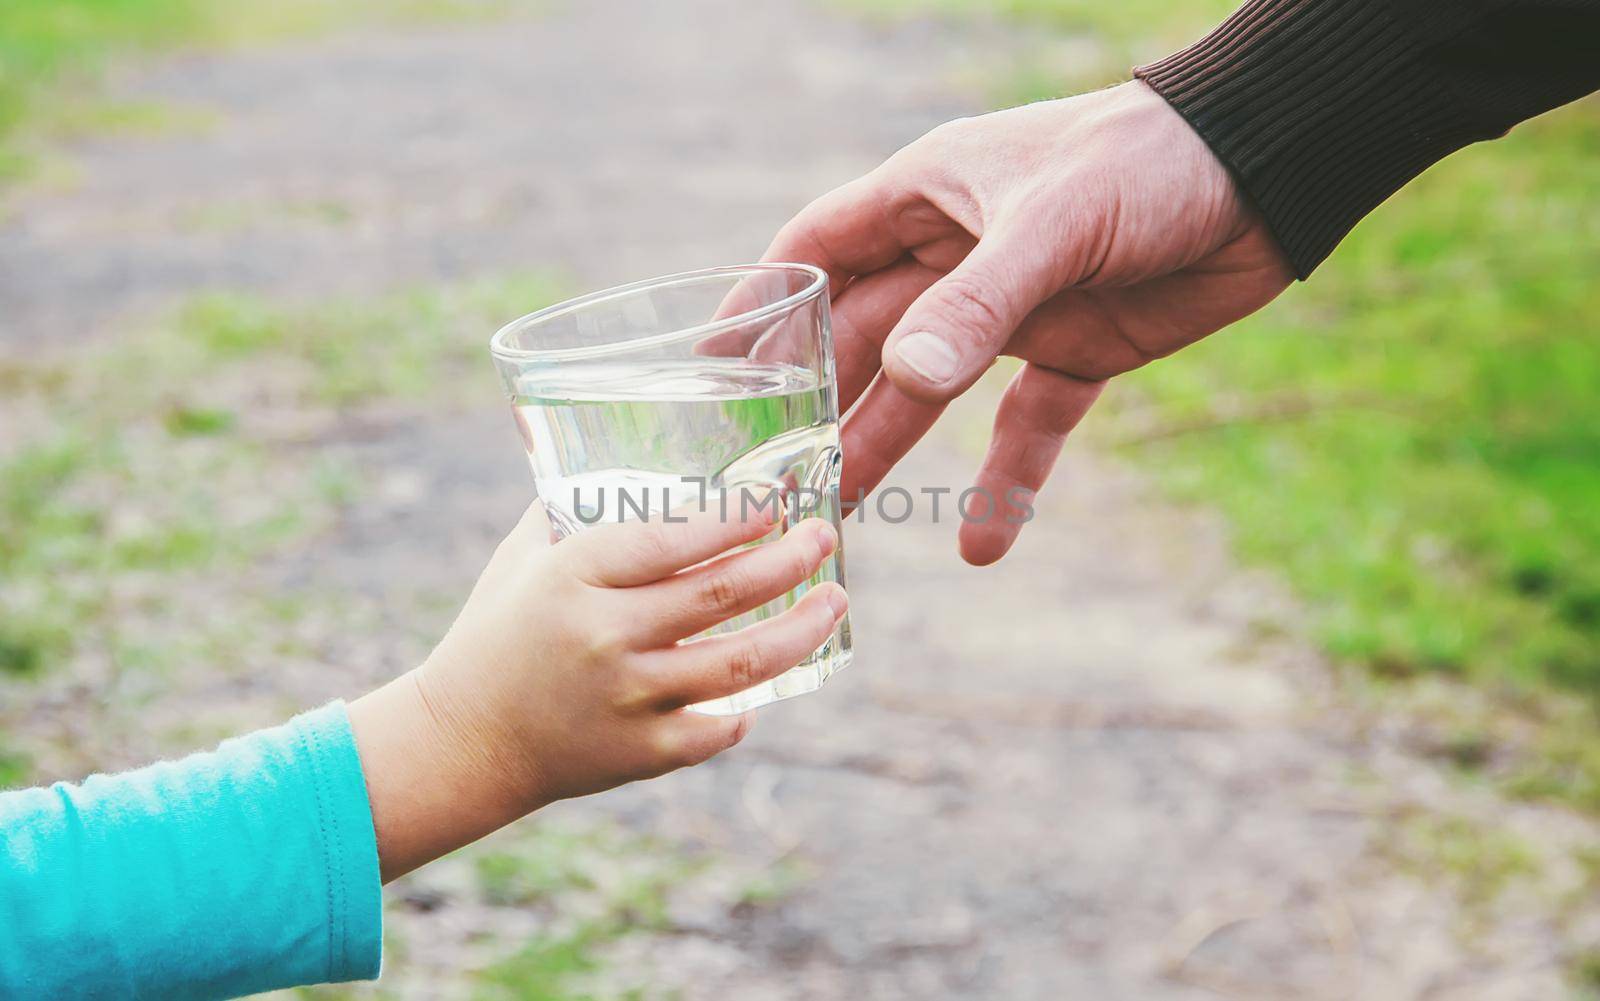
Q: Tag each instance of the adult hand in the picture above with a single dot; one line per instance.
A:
(1086, 236)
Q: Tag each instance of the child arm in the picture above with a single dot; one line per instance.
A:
(229, 872)
(258, 865)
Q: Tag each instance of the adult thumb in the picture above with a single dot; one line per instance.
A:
(950, 335)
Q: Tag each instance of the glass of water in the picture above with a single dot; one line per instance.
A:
(712, 388)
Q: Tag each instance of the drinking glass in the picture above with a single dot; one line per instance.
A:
(712, 387)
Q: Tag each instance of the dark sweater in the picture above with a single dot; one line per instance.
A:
(1324, 108)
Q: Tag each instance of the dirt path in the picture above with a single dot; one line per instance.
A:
(1086, 773)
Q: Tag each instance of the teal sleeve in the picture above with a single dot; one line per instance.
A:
(239, 870)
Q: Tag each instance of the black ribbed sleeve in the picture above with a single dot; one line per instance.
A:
(1324, 108)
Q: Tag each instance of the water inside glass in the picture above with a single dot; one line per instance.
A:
(615, 437)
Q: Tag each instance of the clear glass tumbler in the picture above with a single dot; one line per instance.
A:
(687, 389)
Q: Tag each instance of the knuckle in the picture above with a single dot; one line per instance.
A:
(969, 307)
(651, 546)
(746, 665)
(817, 210)
(632, 690)
(800, 564)
(606, 642)
(725, 590)
(946, 131)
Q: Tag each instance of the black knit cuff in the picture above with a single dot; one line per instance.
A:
(1321, 108)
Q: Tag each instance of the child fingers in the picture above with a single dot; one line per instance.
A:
(704, 596)
(634, 553)
(685, 738)
(718, 666)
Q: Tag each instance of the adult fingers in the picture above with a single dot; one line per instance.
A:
(719, 666)
(641, 552)
(1039, 408)
(878, 433)
(848, 231)
(952, 333)
(698, 599)
(864, 314)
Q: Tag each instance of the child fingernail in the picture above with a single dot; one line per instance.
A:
(827, 540)
(837, 601)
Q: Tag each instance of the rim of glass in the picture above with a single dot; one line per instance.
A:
(499, 347)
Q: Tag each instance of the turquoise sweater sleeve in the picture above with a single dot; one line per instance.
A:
(239, 870)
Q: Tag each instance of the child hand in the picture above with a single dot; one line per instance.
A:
(564, 674)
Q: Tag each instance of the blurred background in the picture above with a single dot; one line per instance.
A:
(1290, 691)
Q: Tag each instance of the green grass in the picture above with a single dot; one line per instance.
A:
(1586, 975)
(48, 46)
(538, 868)
(43, 41)
(1130, 23)
(1488, 868)
(545, 970)
(591, 888)
(14, 768)
(1109, 37)
(1434, 495)
(1412, 437)
(1483, 861)
(596, 884)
